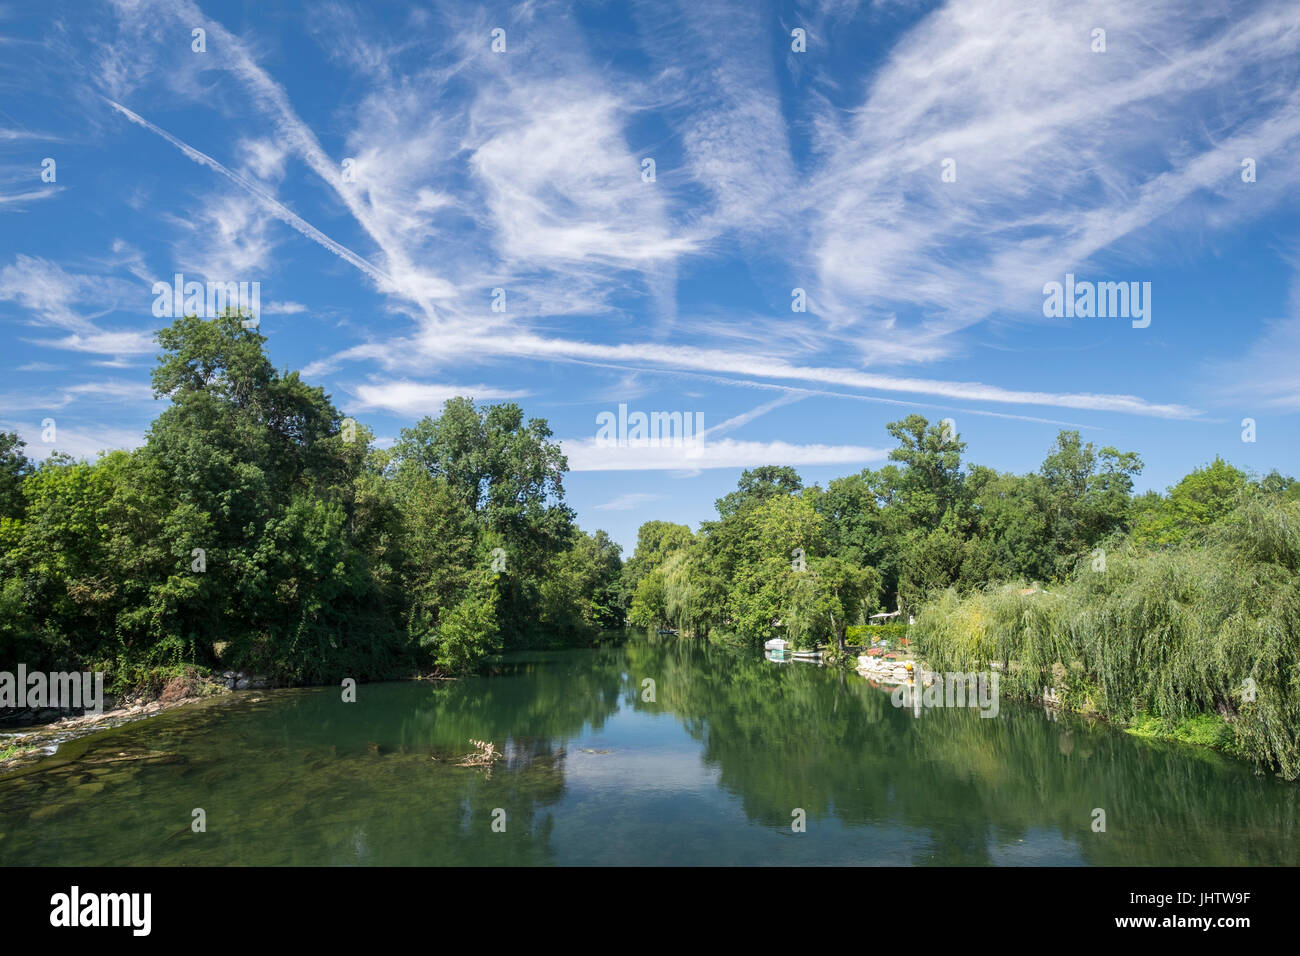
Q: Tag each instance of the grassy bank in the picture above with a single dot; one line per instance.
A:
(1200, 641)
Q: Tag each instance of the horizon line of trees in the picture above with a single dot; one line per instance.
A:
(806, 563)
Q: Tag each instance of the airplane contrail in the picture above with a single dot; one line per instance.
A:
(281, 212)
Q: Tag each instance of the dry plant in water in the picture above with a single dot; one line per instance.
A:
(484, 755)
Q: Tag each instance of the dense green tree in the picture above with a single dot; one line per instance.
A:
(258, 529)
(931, 480)
(14, 466)
(827, 598)
(655, 541)
(1009, 537)
(1198, 500)
(757, 485)
(583, 593)
(507, 474)
(258, 476)
(1086, 494)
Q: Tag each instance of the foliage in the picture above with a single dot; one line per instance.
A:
(1210, 626)
(1200, 499)
(14, 467)
(257, 529)
(862, 634)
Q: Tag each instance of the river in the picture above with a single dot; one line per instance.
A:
(718, 768)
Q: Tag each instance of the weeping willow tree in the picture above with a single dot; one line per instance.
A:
(683, 597)
(1211, 626)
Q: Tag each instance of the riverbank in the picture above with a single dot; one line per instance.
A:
(1210, 731)
(891, 670)
(40, 733)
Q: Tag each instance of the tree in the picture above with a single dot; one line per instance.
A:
(656, 541)
(756, 485)
(250, 470)
(508, 475)
(1009, 538)
(582, 594)
(14, 467)
(931, 482)
(1198, 500)
(830, 596)
(1086, 495)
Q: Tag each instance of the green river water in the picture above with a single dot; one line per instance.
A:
(710, 772)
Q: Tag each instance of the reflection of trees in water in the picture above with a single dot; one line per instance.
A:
(295, 780)
(306, 779)
(785, 736)
(531, 720)
(560, 697)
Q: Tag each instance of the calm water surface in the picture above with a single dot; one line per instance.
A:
(708, 773)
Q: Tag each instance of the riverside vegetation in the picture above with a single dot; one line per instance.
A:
(258, 529)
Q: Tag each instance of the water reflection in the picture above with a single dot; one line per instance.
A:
(706, 769)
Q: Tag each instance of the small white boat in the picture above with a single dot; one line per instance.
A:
(777, 644)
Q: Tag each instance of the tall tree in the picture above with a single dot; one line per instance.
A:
(757, 485)
(931, 483)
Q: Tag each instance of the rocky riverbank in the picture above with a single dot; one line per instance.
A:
(885, 670)
(36, 734)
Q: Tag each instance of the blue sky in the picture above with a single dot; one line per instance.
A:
(823, 170)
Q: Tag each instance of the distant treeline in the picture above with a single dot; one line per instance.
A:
(820, 560)
(1178, 614)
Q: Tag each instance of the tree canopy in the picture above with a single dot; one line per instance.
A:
(257, 529)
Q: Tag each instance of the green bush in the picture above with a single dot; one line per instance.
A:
(863, 634)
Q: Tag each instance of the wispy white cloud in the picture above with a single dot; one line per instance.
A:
(763, 366)
(523, 171)
(1062, 154)
(584, 454)
(16, 199)
(41, 367)
(52, 296)
(420, 398)
(79, 442)
(11, 135)
(264, 158)
(103, 343)
(627, 502)
(284, 308)
(58, 395)
(278, 209)
(224, 239)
